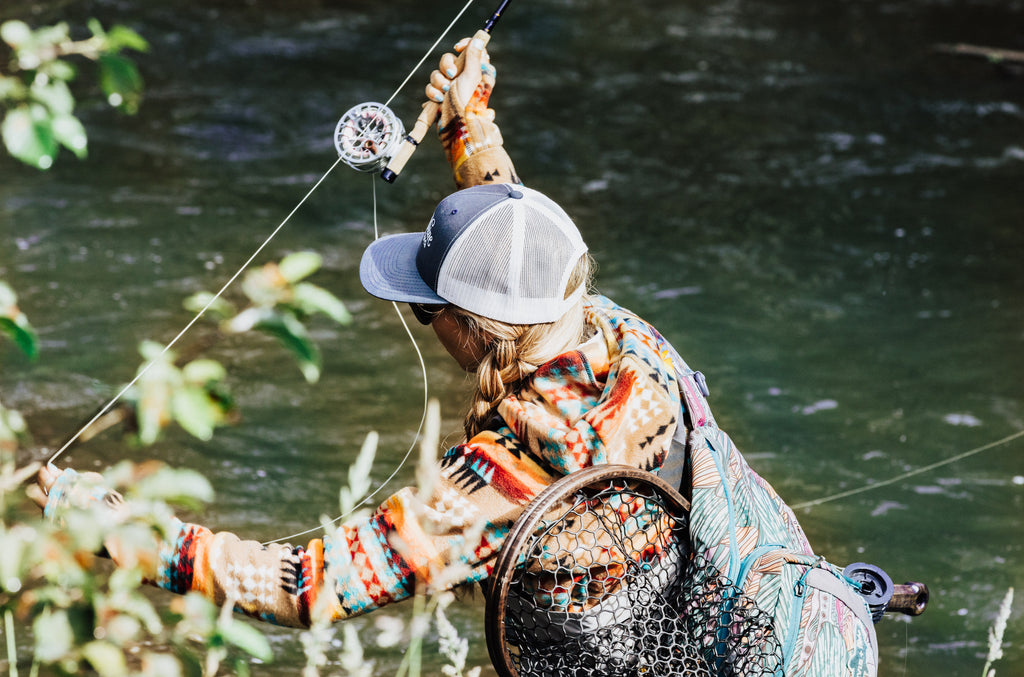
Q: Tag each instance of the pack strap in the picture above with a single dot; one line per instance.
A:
(693, 387)
(825, 580)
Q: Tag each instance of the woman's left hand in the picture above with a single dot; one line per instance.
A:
(60, 490)
(471, 141)
(40, 491)
(48, 474)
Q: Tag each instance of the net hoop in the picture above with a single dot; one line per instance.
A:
(559, 497)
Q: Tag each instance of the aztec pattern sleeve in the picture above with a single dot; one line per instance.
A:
(448, 539)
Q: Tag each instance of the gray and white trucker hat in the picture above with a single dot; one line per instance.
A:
(502, 251)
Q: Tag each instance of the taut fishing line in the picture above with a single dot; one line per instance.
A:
(911, 473)
(195, 319)
(401, 464)
(366, 138)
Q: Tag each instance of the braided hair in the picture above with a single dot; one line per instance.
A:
(514, 351)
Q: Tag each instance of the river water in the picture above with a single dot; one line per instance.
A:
(823, 214)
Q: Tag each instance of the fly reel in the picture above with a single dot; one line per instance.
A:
(367, 136)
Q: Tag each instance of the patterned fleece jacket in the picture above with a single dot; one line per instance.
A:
(612, 400)
(615, 399)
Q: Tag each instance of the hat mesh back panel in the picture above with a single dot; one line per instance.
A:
(545, 259)
(485, 265)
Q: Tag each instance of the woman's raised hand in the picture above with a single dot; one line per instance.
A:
(462, 85)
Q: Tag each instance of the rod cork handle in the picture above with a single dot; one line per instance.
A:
(426, 120)
(910, 599)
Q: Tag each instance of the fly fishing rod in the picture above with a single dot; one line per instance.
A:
(370, 137)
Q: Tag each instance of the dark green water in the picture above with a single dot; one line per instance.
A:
(823, 215)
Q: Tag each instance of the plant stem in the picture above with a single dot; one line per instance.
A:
(12, 647)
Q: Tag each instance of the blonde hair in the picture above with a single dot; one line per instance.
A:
(514, 351)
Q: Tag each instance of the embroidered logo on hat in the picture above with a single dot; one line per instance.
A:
(427, 236)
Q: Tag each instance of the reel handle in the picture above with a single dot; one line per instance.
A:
(426, 120)
(910, 598)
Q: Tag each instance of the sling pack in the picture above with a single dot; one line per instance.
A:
(747, 540)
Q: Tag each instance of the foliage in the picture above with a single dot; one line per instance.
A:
(35, 90)
(279, 303)
(995, 635)
(192, 396)
(429, 603)
(88, 617)
(15, 324)
(82, 617)
(193, 393)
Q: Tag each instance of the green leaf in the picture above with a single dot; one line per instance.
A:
(201, 372)
(71, 134)
(96, 27)
(152, 351)
(174, 486)
(15, 323)
(15, 33)
(58, 69)
(311, 299)
(53, 636)
(292, 334)
(12, 428)
(265, 286)
(219, 307)
(12, 549)
(247, 638)
(54, 94)
(28, 136)
(241, 668)
(121, 37)
(160, 665)
(249, 319)
(121, 82)
(105, 658)
(296, 266)
(195, 412)
(154, 405)
(51, 35)
(7, 296)
(12, 89)
(21, 332)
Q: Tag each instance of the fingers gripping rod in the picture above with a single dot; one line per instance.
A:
(431, 109)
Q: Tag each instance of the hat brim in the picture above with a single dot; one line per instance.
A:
(388, 270)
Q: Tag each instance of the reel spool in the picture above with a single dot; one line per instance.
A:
(875, 586)
(367, 136)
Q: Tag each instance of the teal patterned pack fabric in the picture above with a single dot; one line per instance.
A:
(748, 535)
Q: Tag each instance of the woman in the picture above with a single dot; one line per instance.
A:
(564, 380)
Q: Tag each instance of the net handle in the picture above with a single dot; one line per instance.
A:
(910, 598)
(522, 531)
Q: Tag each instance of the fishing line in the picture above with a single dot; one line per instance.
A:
(912, 473)
(365, 138)
(341, 158)
(401, 464)
(426, 55)
(146, 367)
